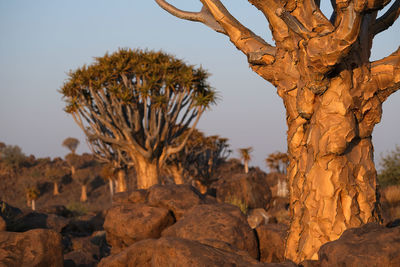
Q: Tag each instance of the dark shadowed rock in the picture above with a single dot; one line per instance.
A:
(79, 258)
(172, 251)
(220, 222)
(3, 225)
(271, 238)
(39, 247)
(128, 223)
(35, 220)
(309, 263)
(59, 210)
(177, 198)
(369, 245)
(250, 188)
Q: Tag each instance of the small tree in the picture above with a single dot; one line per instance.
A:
(246, 157)
(55, 172)
(12, 156)
(71, 143)
(138, 102)
(109, 174)
(83, 176)
(32, 194)
(390, 172)
(277, 162)
(199, 158)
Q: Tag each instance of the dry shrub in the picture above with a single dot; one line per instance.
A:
(392, 194)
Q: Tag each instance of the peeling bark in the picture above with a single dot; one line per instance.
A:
(333, 97)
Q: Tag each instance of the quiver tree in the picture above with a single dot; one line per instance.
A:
(71, 143)
(245, 156)
(74, 161)
(116, 163)
(390, 171)
(333, 96)
(32, 194)
(277, 162)
(55, 172)
(138, 102)
(83, 177)
(198, 160)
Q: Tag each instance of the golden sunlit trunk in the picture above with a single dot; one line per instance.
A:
(83, 193)
(55, 189)
(121, 177)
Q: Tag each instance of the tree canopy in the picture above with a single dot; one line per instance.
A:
(134, 103)
(390, 172)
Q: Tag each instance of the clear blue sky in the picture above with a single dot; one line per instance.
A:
(41, 40)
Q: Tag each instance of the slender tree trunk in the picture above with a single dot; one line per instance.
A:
(332, 178)
(55, 189)
(33, 205)
(28, 200)
(177, 174)
(111, 186)
(246, 166)
(121, 177)
(83, 193)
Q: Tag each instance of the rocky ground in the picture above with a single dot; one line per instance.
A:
(242, 221)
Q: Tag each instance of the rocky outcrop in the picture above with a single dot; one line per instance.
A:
(271, 238)
(39, 247)
(127, 223)
(33, 220)
(250, 189)
(369, 245)
(172, 251)
(219, 222)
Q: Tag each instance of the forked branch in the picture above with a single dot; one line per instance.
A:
(387, 19)
(203, 16)
(216, 16)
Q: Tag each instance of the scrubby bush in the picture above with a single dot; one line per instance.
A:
(390, 172)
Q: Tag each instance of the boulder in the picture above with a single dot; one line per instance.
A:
(250, 189)
(172, 251)
(256, 217)
(34, 220)
(176, 198)
(271, 238)
(369, 245)
(39, 247)
(128, 223)
(78, 258)
(3, 225)
(220, 222)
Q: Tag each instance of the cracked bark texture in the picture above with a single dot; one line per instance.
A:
(333, 97)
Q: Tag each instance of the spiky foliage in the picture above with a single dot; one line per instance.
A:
(71, 143)
(245, 155)
(200, 157)
(390, 172)
(277, 162)
(135, 103)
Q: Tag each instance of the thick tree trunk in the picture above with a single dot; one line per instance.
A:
(147, 173)
(121, 177)
(332, 178)
(55, 189)
(83, 193)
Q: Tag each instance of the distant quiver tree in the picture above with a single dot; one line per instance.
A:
(71, 143)
(138, 102)
(245, 155)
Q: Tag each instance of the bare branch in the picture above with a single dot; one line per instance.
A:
(385, 74)
(387, 19)
(203, 16)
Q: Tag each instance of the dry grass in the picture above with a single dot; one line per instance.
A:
(392, 194)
